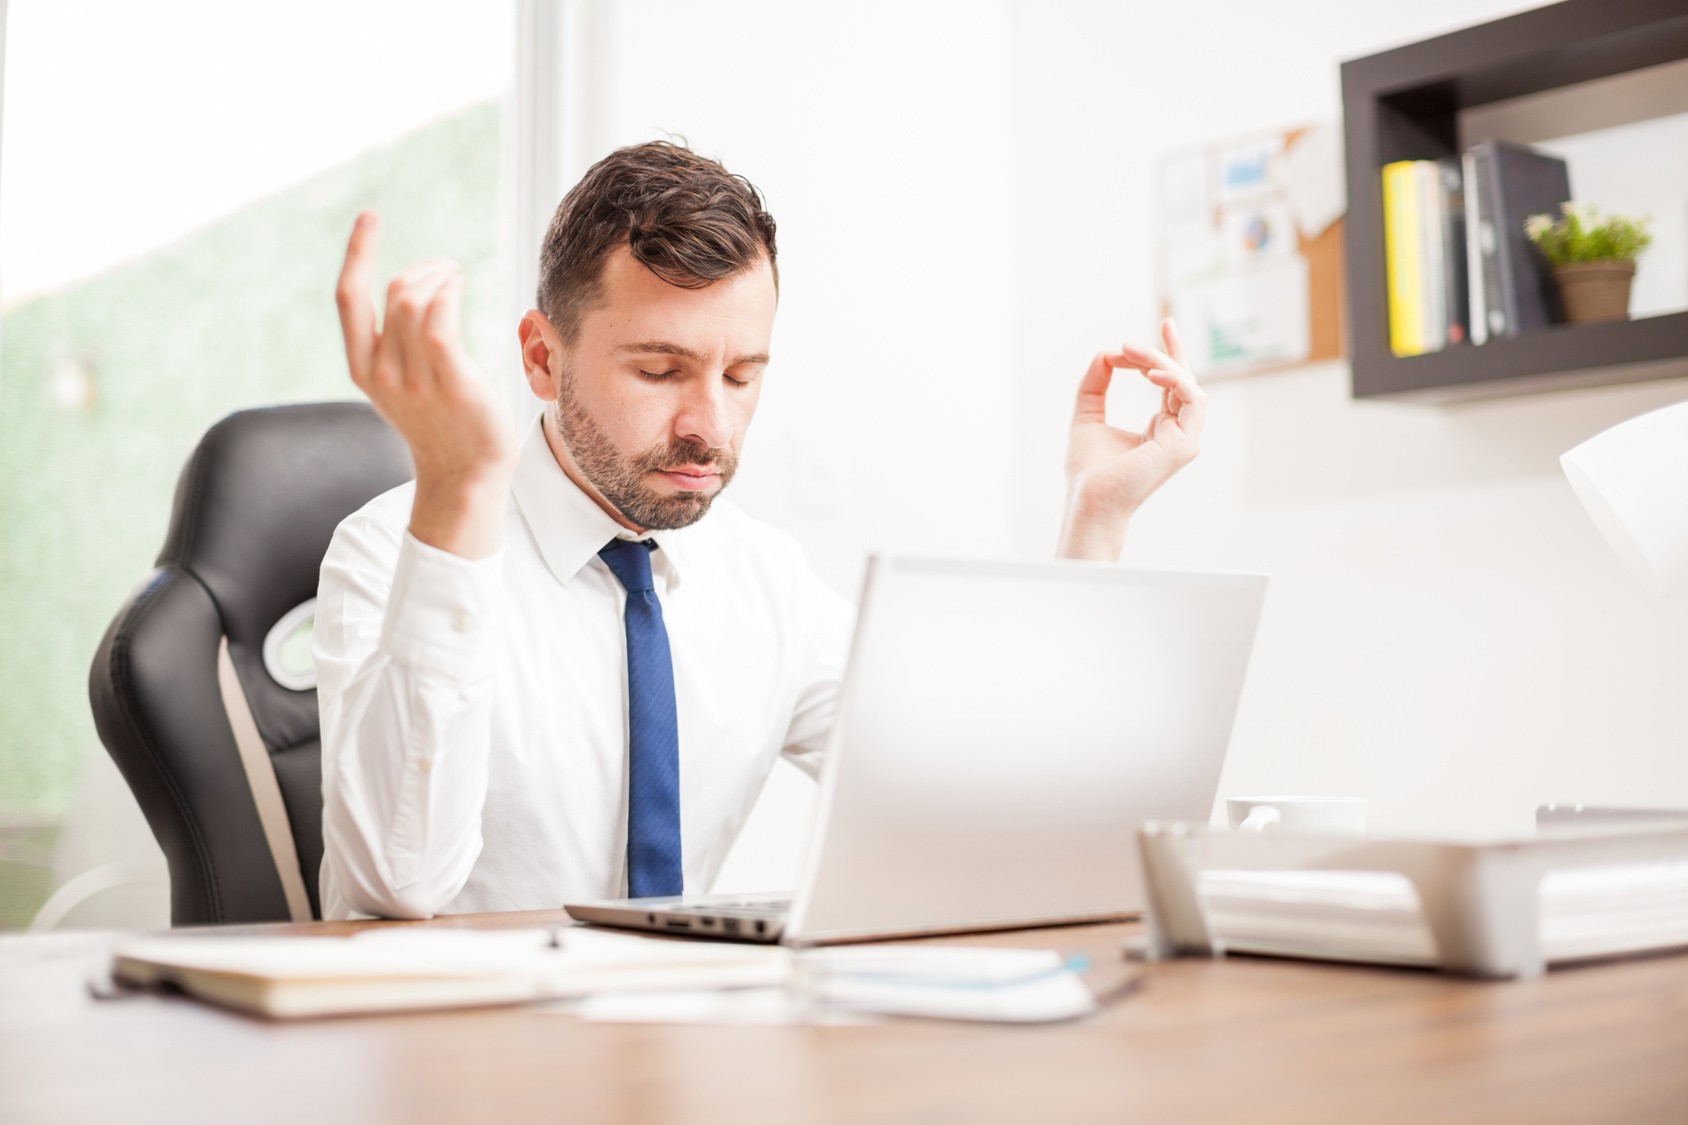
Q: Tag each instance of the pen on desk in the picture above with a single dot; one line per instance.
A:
(1118, 992)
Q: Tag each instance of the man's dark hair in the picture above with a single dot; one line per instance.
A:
(684, 216)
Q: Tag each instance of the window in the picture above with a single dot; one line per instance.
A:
(175, 196)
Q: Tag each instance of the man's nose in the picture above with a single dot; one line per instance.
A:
(704, 416)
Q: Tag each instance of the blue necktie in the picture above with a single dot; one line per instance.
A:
(653, 732)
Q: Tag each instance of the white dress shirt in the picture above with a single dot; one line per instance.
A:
(474, 713)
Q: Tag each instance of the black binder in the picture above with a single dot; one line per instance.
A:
(1512, 182)
(1450, 185)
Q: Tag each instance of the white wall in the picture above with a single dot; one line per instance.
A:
(879, 133)
(1446, 633)
(1603, 168)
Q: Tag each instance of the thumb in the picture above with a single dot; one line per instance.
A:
(1091, 404)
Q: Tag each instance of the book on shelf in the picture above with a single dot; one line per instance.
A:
(1433, 307)
(1460, 268)
(1450, 186)
(1401, 252)
(1514, 182)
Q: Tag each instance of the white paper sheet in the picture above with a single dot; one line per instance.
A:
(846, 984)
(1314, 179)
(1241, 320)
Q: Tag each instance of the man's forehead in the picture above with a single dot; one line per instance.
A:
(639, 312)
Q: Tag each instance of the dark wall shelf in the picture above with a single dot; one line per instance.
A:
(1404, 104)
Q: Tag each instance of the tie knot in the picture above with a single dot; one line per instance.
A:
(630, 561)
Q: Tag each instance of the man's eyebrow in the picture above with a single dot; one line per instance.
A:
(660, 347)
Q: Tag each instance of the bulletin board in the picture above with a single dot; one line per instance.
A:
(1250, 250)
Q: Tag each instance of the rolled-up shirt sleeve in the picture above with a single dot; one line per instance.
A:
(403, 645)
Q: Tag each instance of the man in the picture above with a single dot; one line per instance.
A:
(555, 667)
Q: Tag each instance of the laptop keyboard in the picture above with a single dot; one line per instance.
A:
(741, 908)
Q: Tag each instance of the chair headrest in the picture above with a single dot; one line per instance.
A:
(259, 501)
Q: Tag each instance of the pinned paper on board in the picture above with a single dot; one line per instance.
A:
(1251, 250)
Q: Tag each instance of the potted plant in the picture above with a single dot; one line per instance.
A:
(1593, 259)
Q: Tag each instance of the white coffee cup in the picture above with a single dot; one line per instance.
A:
(1300, 816)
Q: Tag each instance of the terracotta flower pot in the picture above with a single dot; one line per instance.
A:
(1592, 291)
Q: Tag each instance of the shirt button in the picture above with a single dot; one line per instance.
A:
(425, 765)
(460, 620)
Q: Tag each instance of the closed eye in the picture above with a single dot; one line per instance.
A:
(658, 376)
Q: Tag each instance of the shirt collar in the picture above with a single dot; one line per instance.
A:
(567, 524)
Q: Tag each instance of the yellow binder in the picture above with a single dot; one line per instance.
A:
(1401, 249)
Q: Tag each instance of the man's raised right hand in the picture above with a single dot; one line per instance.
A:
(415, 372)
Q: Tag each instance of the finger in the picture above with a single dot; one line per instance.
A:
(402, 355)
(1191, 417)
(1174, 341)
(351, 295)
(1176, 381)
(407, 359)
(1162, 370)
(1092, 403)
(441, 324)
(1189, 414)
(1179, 389)
(1143, 358)
(1170, 436)
(409, 294)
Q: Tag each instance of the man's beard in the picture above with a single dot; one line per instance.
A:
(621, 478)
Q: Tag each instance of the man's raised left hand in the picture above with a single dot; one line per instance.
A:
(1110, 471)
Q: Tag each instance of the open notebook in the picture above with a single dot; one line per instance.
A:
(411, 967)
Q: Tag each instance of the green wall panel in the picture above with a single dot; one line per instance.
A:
(238, 314)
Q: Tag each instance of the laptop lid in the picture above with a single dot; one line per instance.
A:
(1004, 730)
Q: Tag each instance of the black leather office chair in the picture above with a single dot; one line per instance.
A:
(220, 743)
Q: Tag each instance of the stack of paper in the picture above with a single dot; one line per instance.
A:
(1584, 912)
(833, 985)
(616, 976)
(997, 985)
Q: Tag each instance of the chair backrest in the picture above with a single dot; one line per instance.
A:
(180, 686)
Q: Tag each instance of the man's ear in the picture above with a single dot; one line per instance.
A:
(541, 349)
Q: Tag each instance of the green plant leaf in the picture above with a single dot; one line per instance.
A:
(1581, 235)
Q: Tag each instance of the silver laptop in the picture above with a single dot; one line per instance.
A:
(1004, 730)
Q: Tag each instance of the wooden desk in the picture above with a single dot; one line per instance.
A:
(1244, 1039)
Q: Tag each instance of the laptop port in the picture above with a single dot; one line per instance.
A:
(677, 923)
(729, 925)
(761, 927)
